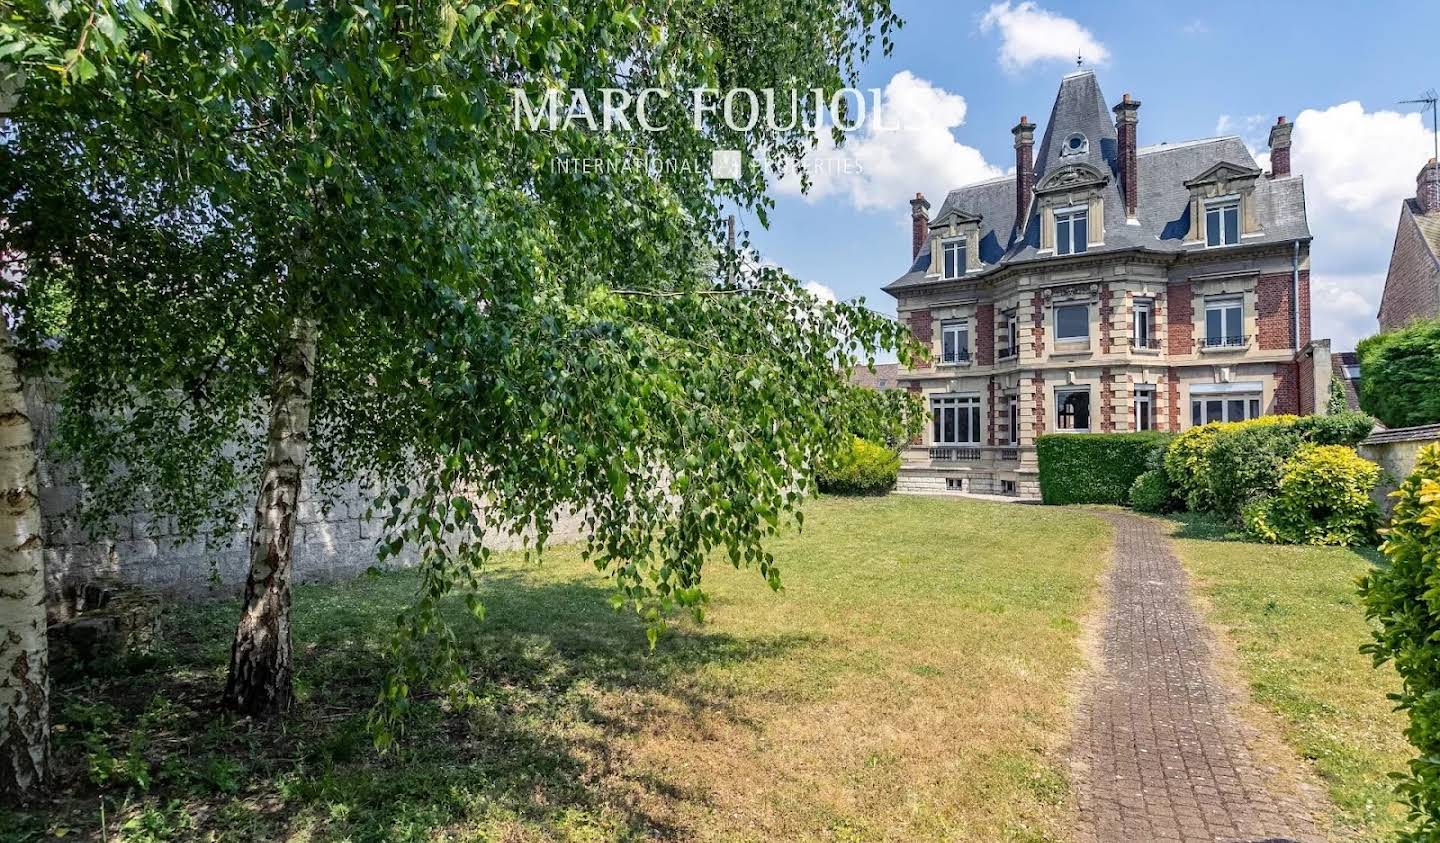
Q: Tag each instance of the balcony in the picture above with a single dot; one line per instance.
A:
(955, 453)
(1009, 454)
(1146, 344)
(1235, 343)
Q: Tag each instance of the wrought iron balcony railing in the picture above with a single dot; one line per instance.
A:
(1224, 342)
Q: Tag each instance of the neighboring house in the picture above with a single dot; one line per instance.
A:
(885, 376)
(1105, 287)
(1412, 285)
(1345, 370)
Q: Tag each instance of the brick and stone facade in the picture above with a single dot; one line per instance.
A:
(1118, 332)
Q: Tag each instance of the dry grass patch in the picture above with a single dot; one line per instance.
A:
(909, 684)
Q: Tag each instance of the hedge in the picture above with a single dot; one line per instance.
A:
(1151, 492)
(865, 469)
(1094, 467)
(1400, 375)
(1323, 498)
(1402, 603)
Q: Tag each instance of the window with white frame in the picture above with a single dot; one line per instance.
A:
(1222, 222)
(1224, 322)
(1143, 324)
(1013, 413)
(1070, 230)
(1352, 372)
(1072, 322)
(955, 419)
(1228, 408)
(952, 253)
(1072, 409)
(954, 342)
(1144, 407)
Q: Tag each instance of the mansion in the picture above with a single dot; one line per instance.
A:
(1105, 287)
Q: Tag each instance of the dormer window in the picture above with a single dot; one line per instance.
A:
(952, 258)
(1222, 221)
(1076, 144)
(1070, 230)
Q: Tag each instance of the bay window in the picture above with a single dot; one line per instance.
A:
(1072, 322)
(1072, 409)
(955, 419)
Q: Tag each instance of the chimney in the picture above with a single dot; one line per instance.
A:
(1024, 133)
(1280, 148)
(919, 224)
(1127, 120)
(1427, 188)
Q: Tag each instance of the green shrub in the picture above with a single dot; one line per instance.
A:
(1403, 604)
(1245, 462)
(1400, 375)
(1094, 467)
(1344, 428)
(1187, 458)
(1150, 492)
(1323, 498)
(865, 469)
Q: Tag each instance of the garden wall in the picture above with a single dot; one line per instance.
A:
(143, 548)
(1395, 450)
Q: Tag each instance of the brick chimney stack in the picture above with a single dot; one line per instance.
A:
(1127, 120)
(1280, 148)
(919, 224)
(1024, 133)
(1427, 188)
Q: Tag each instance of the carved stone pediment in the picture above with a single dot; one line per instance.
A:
(956, 217)
(1222, 174)
(1070, 177)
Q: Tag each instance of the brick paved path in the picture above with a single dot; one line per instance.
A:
(1158, 752)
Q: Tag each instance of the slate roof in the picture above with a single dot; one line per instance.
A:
(1164, 201)
(1422, 433)
(1338, 362)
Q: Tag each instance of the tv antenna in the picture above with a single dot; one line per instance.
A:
(1430, 98)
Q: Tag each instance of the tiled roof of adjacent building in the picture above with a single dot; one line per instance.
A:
(885, 376)
(1163, 215)
(1339, 361)
(1429, 225)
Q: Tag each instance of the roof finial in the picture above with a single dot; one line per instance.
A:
(1079, 60)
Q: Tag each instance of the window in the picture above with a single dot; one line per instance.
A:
(1072, 409)
(1014, 419)
(1352, 372)
(1012, 335)
(953, 252)
(1222, 223)
(1224, 323)
(954, 342)
(1072, 322)
(1070, 234)
(1224, 408)
(1075, 145)
(1144, 408)
(956, 419)
(1007, 487)
(1144, 324)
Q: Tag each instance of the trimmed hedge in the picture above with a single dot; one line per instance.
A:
(1188, 457)
(1094, 467)
(1402, 603)
(1323, 498)
(865, 469)
(1400, 375)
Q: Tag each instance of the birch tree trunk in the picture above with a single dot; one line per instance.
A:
(261, 671)
(24, 657)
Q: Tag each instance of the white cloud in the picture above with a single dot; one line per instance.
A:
(911, 147)
(1358, 165)
(1030, 34)
(819, 291)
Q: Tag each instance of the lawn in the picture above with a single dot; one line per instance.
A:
(1297, 624)
(909, 683)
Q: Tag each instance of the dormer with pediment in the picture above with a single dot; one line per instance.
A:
(1070, 191)
(955, 244)
(1222, 205)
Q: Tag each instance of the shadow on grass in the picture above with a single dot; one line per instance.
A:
(1208, 527)
(560, 680)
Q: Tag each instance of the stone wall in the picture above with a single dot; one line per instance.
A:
(1395, 451)
(333, 538)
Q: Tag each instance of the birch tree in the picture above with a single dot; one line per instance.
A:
(310, 239)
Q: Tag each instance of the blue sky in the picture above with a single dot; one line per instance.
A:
(976, 67)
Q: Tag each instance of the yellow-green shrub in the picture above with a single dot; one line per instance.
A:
(865, 469)
(1402, 602)
(1324, 498)
(1187, 459)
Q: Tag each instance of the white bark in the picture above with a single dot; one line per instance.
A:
(24, 656)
